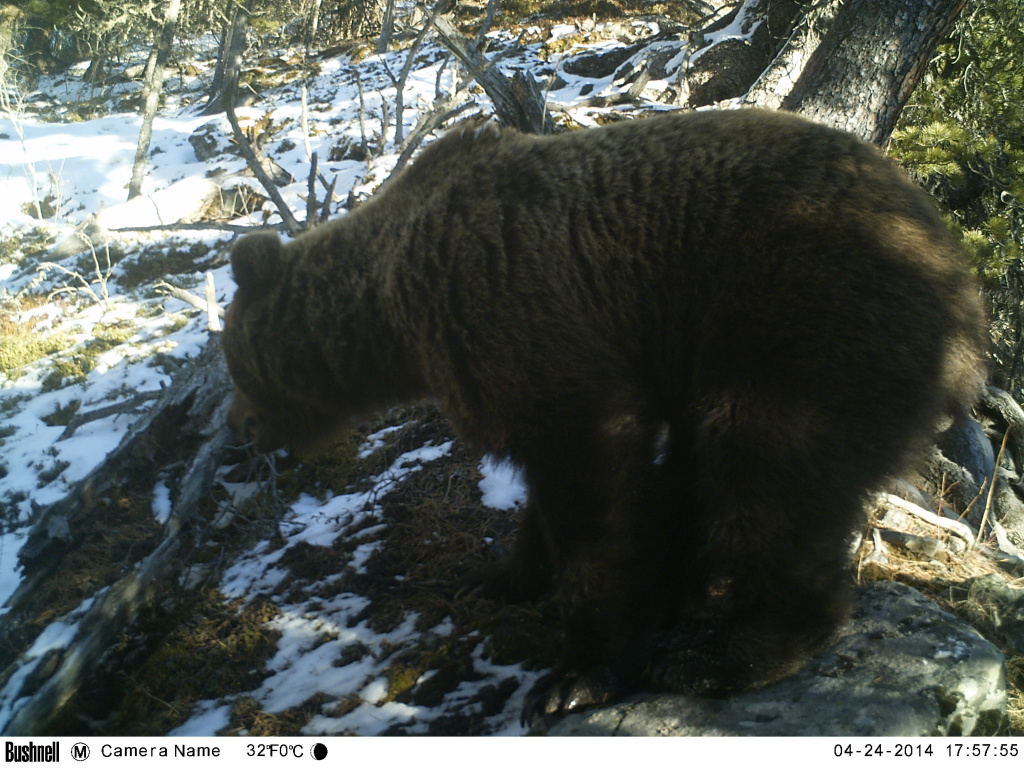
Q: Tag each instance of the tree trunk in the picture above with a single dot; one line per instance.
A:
(313, 26)
(229, 63)
(151, 94)
(869, 58)
(387, 27)
(853, 63)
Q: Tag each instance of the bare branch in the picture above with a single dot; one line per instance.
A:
(188, 298)
(125, 406)
(518, 102)
(240, 229)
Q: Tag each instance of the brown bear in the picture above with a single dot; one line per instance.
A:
(704, 338)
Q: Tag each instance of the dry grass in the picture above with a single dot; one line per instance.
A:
(946, 579)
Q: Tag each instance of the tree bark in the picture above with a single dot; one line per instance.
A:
(229, 62)
(151, 94)
(868, 62)
(387, 27)
(847, 63)
(313, 26)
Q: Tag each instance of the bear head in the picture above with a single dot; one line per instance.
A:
(278, 371)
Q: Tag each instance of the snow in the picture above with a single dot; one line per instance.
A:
(85, 165)
(503, 484)
(56, 636)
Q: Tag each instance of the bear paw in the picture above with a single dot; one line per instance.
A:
(559, 694)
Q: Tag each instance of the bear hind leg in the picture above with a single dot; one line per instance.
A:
(775, 514)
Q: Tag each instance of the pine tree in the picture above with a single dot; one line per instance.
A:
(962, 136)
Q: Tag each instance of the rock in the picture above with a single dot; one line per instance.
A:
(902, 666)
(133, 72)
(965, 444)
(210, 140)
(996, 607)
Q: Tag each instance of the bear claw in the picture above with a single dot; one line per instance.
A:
(557, 694)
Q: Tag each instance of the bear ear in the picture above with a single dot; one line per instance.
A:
(256, 261)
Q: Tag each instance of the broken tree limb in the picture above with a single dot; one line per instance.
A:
(240, 229)
(518, 102)
(108, 410)
(213, 312)
(953, 526)
(188, 298)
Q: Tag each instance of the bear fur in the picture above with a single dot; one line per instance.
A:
(704, 337)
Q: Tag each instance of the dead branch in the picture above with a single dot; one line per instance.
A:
(188, 298)
(213, 312)
(403, 76)
(126, 406)
(518, 102)
(311, 205)
(291, 223)
(437, 117)
(956, 527)
(240, 229)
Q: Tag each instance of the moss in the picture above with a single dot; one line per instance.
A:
(402, 678)
(51, 473)
(66, 372)
(26, 246)
(11, 404)
(108, 336)
(75, 368)
(21, 347)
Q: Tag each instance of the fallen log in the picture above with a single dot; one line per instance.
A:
(187, 422)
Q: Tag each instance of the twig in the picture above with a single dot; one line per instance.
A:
(109, 410)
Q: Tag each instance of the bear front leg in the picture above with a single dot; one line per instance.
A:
(597, 514)
(526, 573)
